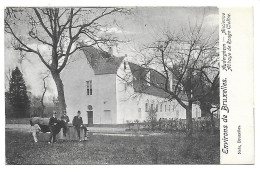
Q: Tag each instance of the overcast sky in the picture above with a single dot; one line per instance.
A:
(139, 28)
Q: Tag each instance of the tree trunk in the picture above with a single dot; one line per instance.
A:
(60, 90)
(43, 107)
(212, 123)
(189, 128)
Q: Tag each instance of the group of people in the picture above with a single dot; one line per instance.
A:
(77, 122)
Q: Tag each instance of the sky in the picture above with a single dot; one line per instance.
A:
(141, 27)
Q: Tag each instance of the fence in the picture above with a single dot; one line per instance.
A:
(17, 120)
(168, 125)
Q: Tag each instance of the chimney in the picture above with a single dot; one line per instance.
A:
(110, 51)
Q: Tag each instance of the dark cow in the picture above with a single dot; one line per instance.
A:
(42, 125)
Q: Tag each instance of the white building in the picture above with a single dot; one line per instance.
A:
(93, 83)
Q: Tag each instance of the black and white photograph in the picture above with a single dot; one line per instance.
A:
(111, 85)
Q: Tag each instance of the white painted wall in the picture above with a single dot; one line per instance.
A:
(127, 108)
(74, 77)
(103, 98)
(110, 96)
(129, 102)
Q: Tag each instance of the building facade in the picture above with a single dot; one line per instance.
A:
(96, 83)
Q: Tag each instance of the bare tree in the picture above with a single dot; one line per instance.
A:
(43, 93)
(60, 31)
(8, 75)
(188, 61)
(210, 101)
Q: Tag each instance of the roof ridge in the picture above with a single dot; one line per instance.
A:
(100, 62)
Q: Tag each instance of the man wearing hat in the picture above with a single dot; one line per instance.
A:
(66, 119)
(78, 123)
(53, 121)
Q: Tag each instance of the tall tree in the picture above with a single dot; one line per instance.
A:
(17, 96)
(210, 102)
(60, 31)
(185, 60)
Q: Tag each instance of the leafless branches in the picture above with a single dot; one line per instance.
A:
(59, 28)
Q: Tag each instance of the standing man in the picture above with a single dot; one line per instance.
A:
(53, 122)
(78, 123)
(66, 119)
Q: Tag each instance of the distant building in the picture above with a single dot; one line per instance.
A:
(94, 83)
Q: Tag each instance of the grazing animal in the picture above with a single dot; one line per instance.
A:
(42, 125)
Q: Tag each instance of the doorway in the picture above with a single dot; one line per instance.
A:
(107, 117)
(90, 118)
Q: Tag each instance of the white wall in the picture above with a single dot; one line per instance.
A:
(109, 94)
(126, 104)
(104, 99)
(129, 102)
(74, 78)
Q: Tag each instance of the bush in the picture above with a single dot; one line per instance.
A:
(152, 119)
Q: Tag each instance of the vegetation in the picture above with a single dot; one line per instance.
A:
(188, 62)
(152, 119)
(62, 32)
(17, 97)
(159, 149)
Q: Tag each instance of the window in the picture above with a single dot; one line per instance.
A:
(156, 108)
(169, 108)
(89, 87)
(148, 78)
(177, 114)
(139, 113)
(165, 108)
(155, 81)
(171, 85)
(161, 107)
(173, 107)
(151, 106)
(147, 106)
(124, 65)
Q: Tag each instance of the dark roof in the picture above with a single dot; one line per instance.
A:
(102, 62)
(140, 85)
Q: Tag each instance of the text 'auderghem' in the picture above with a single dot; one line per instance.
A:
(227, 42)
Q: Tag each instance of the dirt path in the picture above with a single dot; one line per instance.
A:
(27, 127)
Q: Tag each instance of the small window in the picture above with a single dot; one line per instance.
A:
(148, 78)
(89, 87)
(161, 107)
(156, 108)
(139, 113)
(165, 108)
(151, 106)
(177, 113)
(173, 107)
(169, 108)
(146, 107)
(124, 65)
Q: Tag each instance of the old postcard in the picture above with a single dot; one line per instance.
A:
(128, 85)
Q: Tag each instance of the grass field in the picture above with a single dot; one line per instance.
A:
(160, 149)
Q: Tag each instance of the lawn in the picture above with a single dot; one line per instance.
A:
(160, 149)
